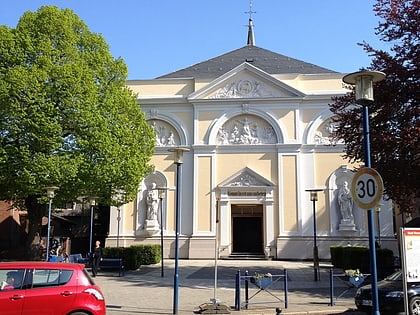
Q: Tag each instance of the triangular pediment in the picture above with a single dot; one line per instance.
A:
(246, 178)
(246, 81)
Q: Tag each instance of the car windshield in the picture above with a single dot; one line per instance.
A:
(396, 276)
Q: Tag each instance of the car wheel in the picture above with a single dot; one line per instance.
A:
(414, 307)
(79, 313)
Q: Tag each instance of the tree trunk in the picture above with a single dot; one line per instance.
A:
(35, 213)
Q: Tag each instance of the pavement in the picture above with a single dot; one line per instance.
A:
(145, 291)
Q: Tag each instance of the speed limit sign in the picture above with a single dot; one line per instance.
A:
(366, 188)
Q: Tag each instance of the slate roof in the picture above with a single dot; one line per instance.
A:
(261, 58)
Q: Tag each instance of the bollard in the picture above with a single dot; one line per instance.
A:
(286, 301)
(246, 289)
(238, 291)
(331, 287)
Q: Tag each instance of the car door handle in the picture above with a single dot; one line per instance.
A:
(16, 297)
(66, 293)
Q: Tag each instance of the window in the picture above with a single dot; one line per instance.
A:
(11, 279)
(50, 277)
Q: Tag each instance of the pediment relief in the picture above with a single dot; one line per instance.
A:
(246, 178)
(245, 88)
(246, 81)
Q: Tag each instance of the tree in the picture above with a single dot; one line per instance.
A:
(67, 118)
(394, 115)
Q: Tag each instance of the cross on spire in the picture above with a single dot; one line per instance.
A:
(251, 39)
(250, 12)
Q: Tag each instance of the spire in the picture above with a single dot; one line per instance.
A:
(251, 39)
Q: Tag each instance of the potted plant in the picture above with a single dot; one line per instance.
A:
(354, 277)
(262, 280)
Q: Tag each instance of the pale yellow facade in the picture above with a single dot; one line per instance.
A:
(257, 142)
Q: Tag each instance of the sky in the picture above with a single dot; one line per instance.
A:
(156, 37)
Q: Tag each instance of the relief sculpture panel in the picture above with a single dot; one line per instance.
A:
(246, 129)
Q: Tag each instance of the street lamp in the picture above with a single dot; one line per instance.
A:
(162, 195)
(178, 160)
(50, 196)
(92, 201)
(314, 198)
(363, 81)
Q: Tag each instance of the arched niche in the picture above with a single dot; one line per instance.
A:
(169, 132)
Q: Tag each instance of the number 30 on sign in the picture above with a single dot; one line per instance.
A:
(367, 188)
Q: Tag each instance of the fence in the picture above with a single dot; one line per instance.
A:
(263, 283)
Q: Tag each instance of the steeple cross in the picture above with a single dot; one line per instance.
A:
(250, 12)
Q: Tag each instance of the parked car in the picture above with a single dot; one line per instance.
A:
(390, 295)
(34, 288)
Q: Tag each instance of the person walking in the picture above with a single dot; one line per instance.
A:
(96, 258)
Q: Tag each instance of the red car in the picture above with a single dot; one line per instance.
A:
(47, 288)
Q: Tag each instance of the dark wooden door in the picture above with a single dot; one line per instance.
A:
(247, 234)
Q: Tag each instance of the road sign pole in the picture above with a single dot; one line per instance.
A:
(363, 82)
(372, 247)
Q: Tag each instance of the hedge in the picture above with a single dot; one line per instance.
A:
(135, 255)
(358, 257)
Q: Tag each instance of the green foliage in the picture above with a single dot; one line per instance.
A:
(358, 258)
(67, 118)
(394, 115)
(135, 256)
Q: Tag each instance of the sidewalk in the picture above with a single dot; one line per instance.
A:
(145, 292)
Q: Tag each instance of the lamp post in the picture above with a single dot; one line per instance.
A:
(118, 198)
(216, 251)
(314, 198)
(118, 225)
(178, 160)
(162, 195)
(92, 201)
(363, 82)
(378, 222)
(50, 195)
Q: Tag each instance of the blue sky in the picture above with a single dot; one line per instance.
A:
(156, 37)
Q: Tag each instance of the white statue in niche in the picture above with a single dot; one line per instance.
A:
(152, 200)
(345, 202)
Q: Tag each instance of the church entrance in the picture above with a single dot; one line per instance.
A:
(247, 229)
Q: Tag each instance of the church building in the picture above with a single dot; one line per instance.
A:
(257, 133)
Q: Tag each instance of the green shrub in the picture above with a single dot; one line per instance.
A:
(358, 257)
(337, 256)
(135, 255)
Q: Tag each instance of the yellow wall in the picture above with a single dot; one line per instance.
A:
(307, 117)
(204, 121)
(186, 118)
(287, 118)
(162, 87)
(262, 163)
(204, 194)
(289, 187)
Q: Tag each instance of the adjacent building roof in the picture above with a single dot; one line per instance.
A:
(263, 59)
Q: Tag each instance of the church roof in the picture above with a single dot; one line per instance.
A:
(266, 60)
